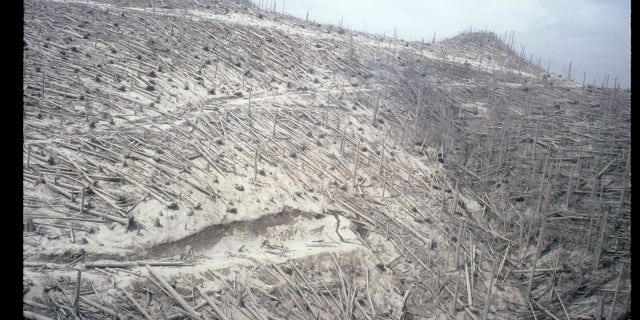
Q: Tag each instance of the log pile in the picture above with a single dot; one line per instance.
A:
(477, 184)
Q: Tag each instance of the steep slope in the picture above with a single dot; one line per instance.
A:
(269, 167)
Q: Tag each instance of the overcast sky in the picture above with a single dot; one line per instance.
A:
(595, 35)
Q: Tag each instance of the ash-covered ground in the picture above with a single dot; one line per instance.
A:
(212, 160)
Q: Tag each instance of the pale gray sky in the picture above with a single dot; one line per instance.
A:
(595, 35)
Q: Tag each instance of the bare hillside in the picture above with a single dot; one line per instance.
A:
(210, 160)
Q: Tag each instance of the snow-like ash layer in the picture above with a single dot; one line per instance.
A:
(208, 159)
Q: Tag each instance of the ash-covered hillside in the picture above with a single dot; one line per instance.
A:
(212, 160)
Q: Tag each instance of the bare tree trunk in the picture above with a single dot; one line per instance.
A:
(458, 242)
(487, 303)
(598, 252)
(542, 226)
(615, 296)
(452, 307)
(355, 167)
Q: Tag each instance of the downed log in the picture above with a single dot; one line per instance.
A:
(131, 264)
(545, 310)
(45, 265)
(174, 294)
(213, 305)
(138, 306)
(99, 307)
(122, 221)
(69, 195)
(34, 316)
